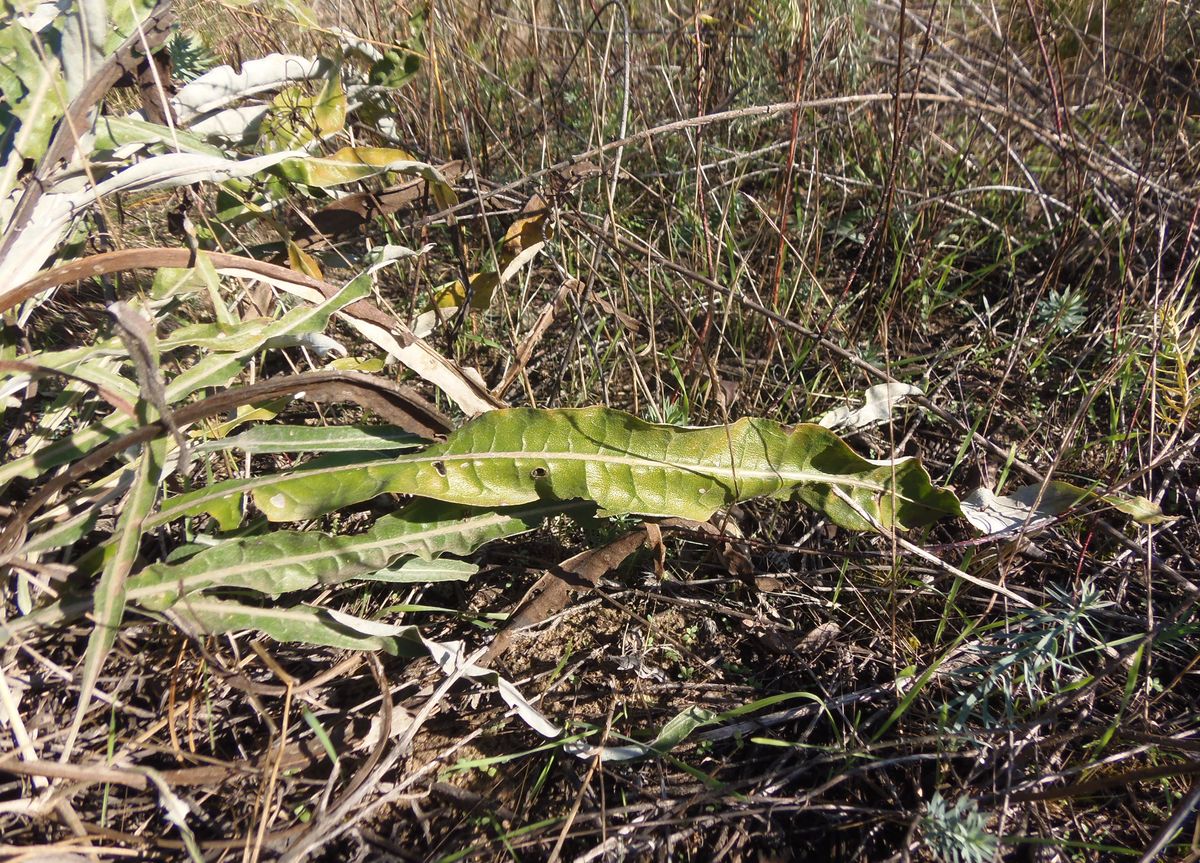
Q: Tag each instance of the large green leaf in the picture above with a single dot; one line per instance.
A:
(627, 465)
(285, 561)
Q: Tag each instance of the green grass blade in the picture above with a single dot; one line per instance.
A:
(110, 595)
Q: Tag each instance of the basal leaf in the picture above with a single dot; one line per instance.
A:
(285, 561)
(627, 465)
(212, 370)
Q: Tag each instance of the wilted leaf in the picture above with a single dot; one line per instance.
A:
(309, 625)
(55, 211)
(1032, 507)
(627, 465)
(302, 262)
(881, 401)
(222, 86)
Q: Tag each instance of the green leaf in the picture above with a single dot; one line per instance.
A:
(110, 594)
(285, 561)
(626, 465)
(298, 623)
(213, 370)
(113, 133)
(290, 438)
(394, 68)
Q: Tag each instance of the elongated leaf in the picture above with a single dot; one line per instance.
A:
(212, 370)
(116, 132)
(414, 570)
(222, 86)
(285, 561)
(626, 465)
(471, 396)
(55, 211)
(111, 596)
(290, 438)
(350, 164)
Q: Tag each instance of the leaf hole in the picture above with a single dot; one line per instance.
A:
(539, 473)
(440, 467)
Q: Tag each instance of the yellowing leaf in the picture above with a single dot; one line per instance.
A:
(452, 296)
(350, 164)
(329, 110)
(302, 262)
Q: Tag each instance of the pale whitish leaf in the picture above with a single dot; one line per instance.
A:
(382, 256)
(54, 212)
(42, 14)
(880, 402)
(319, 343)
(627, 465)
(83, 38)
(239, 126)
(286, 561)
(1032, 507)
(222, 86)
(290, 439)
(314, 626)
(352, 43)
(676, 731)
(417, 571)
(175, 810)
